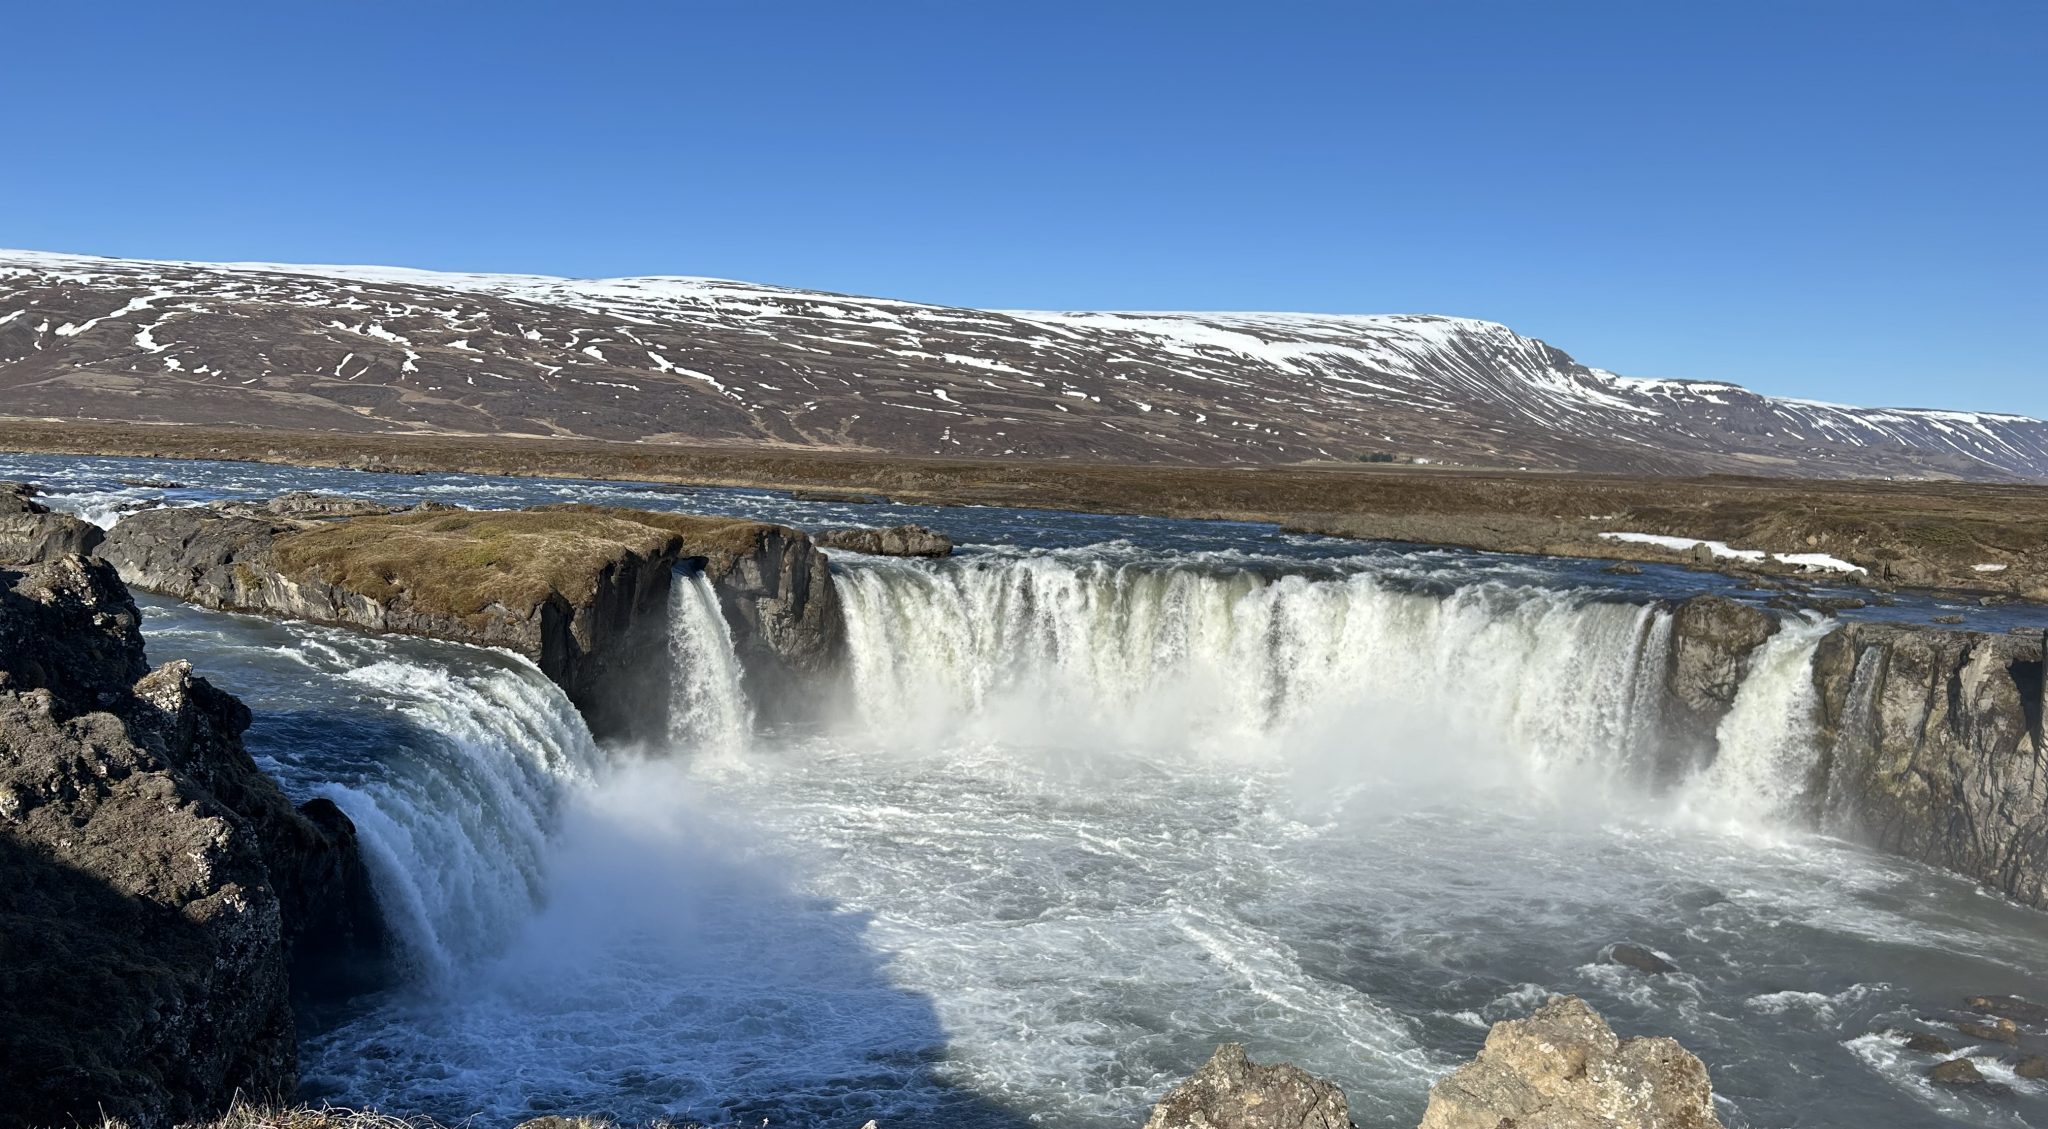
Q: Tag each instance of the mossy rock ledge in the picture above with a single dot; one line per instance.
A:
(581, 590)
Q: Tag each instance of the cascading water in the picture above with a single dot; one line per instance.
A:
(708, 708)
(1093, 812)
(1764, 770)
(455, 833)
(1230, 662)
(452, 762)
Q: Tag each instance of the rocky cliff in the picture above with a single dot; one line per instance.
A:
(155, 886)
(581, 590)
(1933, 747)
(31, 532)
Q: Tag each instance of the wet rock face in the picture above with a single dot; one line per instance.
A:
(1934, 749)
(788, 626)
(895, 541)
(1640, 958)
(31, 532)
(1712, 641)
(153, 882)
(1232, 1092)
(1956, 1072)
(1563, 1068)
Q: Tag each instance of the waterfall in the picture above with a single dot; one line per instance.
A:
(708, 708)
(455, 810)
(1767, 760)
(1211, 660)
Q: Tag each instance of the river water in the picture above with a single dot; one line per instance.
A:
(1097, 794)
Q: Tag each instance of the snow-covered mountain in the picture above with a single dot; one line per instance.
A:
(710, 361)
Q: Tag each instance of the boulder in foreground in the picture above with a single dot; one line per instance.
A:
(1564, 1068)
(1232, 1092)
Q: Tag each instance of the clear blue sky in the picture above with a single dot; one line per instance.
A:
(1841, 200)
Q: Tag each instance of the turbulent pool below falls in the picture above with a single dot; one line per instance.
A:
(1076, 815)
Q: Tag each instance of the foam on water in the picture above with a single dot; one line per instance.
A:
(1543, 684)
(1088, 815)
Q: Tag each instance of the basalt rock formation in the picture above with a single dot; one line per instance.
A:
(1564, 1068)
(155, 885)
(1712, 641)
(31, 532)
(1933, 748)
(582, 591)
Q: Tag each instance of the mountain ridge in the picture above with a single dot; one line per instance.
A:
(686, 359)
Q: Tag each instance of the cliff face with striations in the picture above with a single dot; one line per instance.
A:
(1933, 748)
(582, 591)
(155, 885)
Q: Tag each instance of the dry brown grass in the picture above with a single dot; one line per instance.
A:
(1941, 527)
(461, 563)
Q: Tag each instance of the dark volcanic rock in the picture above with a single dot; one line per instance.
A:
(1712, 640)
(1564, 1067)
(1232, 1092)
(1932, 746)
(31, 532)
(895, 541)
(2010, 1007)
(1956, 1072)
(1639, 958)
(153, 881)
(1995, 1031)
(788, 626)
(1926, 1044)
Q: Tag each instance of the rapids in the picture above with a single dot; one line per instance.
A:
(1093, 796)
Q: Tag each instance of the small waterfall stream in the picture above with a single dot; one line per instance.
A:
(708, 706)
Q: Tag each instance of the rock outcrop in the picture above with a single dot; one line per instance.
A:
(581, 590)
(154, 884)
(1712, 641)
(1933, 748)
(1232, 1092)
(32, 532)
(893, 541)
(1564, 1068)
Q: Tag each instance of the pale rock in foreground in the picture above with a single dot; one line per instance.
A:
(1564, 1068)
(1232, 1092)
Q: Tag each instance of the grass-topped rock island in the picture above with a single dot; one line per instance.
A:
(582, 591)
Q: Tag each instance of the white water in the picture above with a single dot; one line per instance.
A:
(1763, 772)
(708, 709)
(456, 834)
(1548, 688)
(1084, 820)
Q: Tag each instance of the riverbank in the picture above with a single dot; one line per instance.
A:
(1985, 539)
